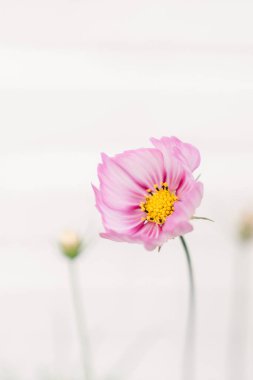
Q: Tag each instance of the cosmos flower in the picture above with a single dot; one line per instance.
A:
(149, 195)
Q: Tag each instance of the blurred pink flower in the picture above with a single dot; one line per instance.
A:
(149, 195)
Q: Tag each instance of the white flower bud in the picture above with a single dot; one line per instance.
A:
(70, 244)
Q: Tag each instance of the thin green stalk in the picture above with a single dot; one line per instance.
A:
(188, 370)
(80, 322)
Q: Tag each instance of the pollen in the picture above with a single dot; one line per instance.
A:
(158, 204)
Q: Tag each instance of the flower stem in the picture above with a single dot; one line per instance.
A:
(80, 321)
(240, 315)
(189, 349)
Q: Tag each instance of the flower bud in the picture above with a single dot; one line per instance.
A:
(70, 244)
(246, 227)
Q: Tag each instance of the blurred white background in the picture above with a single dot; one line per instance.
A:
(80, 77)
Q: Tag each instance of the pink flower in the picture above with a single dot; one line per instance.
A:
(149, 195)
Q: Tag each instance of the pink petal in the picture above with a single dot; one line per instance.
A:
(118, 190)
(116, 236)
(174, 168)
(186, 153)
(150, 235)
(181, 229)
(175, 172)
(145, 166)
(190, 195)
(178, 223)
(118, 220)
(125, 177)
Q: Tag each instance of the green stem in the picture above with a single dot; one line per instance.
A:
(190, 269)
(80, 321)
(189, 349)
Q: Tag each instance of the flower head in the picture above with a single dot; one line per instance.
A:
(149, 195)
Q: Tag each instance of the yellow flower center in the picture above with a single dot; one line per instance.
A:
(159, 204)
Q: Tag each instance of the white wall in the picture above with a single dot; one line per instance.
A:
(81, 77)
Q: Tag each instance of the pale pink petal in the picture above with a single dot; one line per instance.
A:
(118, 190)
(175, 173)
(190, 195)
(119, 237)
(145, 166)
(150, 234)
(125, 177)
(127, 236)
(118, 220)
(186, 153)
(189, 199)
(177, 225)
(174, 169)
(181, 229)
